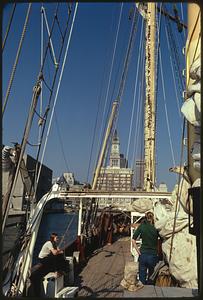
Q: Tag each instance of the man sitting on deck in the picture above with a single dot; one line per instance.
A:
(148, 252)
(51, 259)
(51, 255)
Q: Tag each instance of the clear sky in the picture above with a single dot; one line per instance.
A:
(85, 83)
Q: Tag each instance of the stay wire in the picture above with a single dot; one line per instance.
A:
(178, 192)
(126, 66)
(166, 113)
(135, 88)
(141, 94)
(109, 80)
(97, 114)
(16, 59)
(71, 221)
(171, 63)
(158, 38)
(8, 27)
(112, 63)
(38, 164)
(182, 15)
(56, 96)
(61, 143)
(175, 54)
(124, 72)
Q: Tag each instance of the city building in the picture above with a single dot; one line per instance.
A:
(139, 174)
(116, 176)
(163, 187)
(19, 200)
(69, 177)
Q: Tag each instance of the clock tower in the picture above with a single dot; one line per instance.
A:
(115, 152)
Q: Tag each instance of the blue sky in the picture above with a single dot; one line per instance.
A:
(84, 87)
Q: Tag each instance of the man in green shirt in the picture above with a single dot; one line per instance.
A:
(148, 255)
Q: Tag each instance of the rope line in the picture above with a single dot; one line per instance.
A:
(139, 107)
(166, 113)
(9, 26)
(172, 68)
(61, 143)
(135, 89)
(99, 145)
(112, 63)
(16, 59)
(66, 230)
(51, 92)
(179, 190)
(56, 96)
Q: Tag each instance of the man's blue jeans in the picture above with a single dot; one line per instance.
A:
(147, 262)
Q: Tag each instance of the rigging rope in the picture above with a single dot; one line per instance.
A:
(61, 142)
(56, 96)
(66, 231)
(96, 122)
(181, 7)
(158, 26)
(123, 77)
(124, 72)
(16, 59)
(135, 89)
(44, 118)
(179, 191)
(166, 113)
(175, 56)
(171, 62)
(9, 26)
(37, 89)
(139, 106)
(111, 68)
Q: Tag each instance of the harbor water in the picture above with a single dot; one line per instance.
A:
(65, 224)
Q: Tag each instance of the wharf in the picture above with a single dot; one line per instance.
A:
(101, 276)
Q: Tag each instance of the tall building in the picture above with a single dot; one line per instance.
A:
(139, 174)
(163, 187)
(19, 197)
(117, 176)
(69, 177)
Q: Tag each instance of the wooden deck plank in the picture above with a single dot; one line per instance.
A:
(102, 275)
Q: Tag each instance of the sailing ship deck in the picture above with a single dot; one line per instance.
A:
(102, 275)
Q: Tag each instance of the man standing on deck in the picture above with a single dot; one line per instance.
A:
(148, 252)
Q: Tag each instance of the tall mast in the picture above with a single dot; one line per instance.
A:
(149, 123)
(104, 145)
(192, 52)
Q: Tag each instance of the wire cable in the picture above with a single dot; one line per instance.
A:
(135, 88)
(61, 143)
(16, 59)
(97, 114)
(166, 113)
(111, 68)
(8, 27)
(56, 96)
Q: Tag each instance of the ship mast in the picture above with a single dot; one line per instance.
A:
(104, 145)
(192, 52)
(149, 122)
